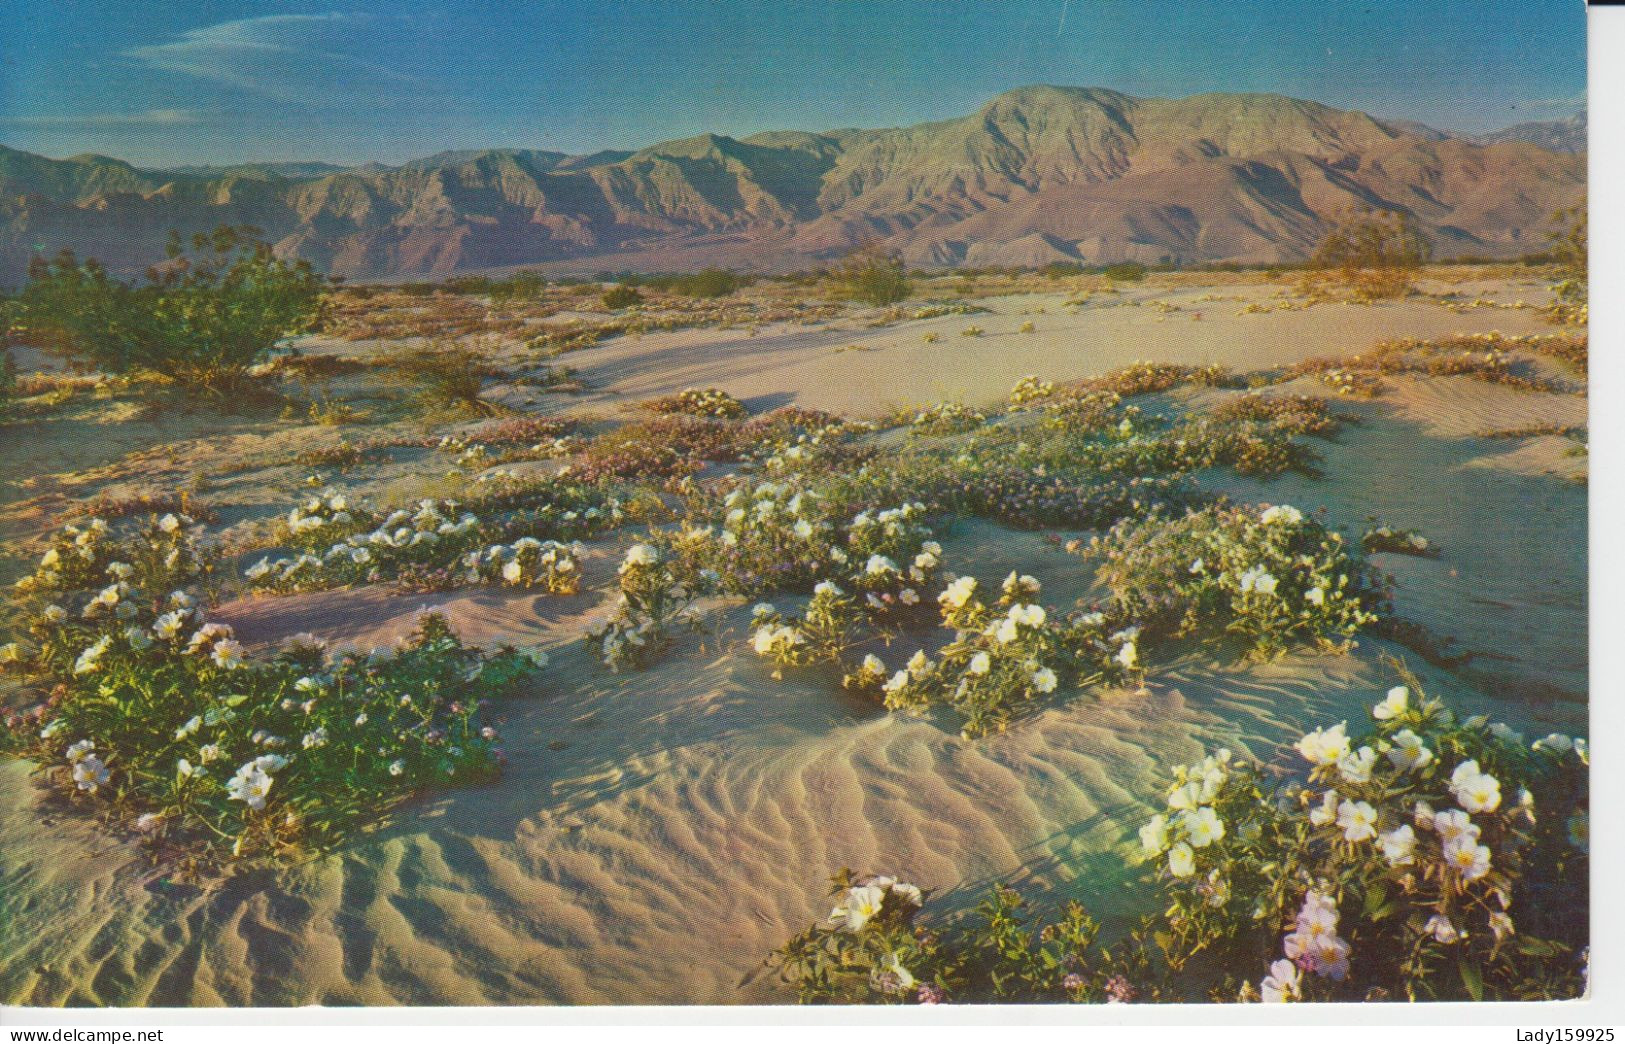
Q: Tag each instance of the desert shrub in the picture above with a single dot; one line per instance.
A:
(875, 948)
(447, 376)
(703, 438)
(1002, 658)
(1125, 272)
(1482, 356)
(201, 321)
(1143, 378)
(997, 474)
(873, 276)
(1267, 577)
(1571, 252)
(160, 717)
(1398, 865)
(1030, 389)
(1430, 859)
(619, 297)
(521, 286)
(698, 438)
(655, 600)
(1015, 496)
(947, 418)
(1088, 412)
(569, 339)
(699, 402)
(1296, 414)
(1372, 254)
(822, 634)
(433, 545)
(777, 536)
(1251, 448)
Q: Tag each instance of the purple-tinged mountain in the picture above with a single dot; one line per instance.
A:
(1036, 175)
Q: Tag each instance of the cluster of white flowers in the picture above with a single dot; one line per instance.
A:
(402, 535)
(88, 770)
(252, 782)
(776, 639)
(1192, 823)
(1257, 580)
(75, 548)
(1313, 944)
(527, 561)
(958, 593)
(651, 599)
(1030, 389)
(882, 541)
(1381, 538)
(1282, 514)
(945, 418)
(328, 509)
(705, 402)
(863, 902)
(215, 640)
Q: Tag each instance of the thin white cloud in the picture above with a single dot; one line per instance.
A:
(149, 118)
(295, 59)
(1577, 101)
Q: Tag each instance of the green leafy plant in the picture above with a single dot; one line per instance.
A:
(201, 320)
(873, 276)
(172, 725)
(1269, 577)
(1420, 861)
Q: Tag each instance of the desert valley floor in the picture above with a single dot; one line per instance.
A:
(656, 833)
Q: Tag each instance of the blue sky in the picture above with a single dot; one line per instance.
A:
(210, 81)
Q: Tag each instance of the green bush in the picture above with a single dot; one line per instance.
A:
(201, 320)
(709, 282)
(1571, 252)
(872, 276)
(619, 297)
(1270, 577)
(448, 376)
(167, 720)
(1432, 858)
(1125, 272)
(1372, 254)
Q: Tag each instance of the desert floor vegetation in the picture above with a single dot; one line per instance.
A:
(1064, 607)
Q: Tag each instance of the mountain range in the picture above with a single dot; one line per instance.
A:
(1037, 175)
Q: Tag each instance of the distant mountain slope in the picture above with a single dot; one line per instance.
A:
(295, 171)
(1566, 135)
(1037, 174)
